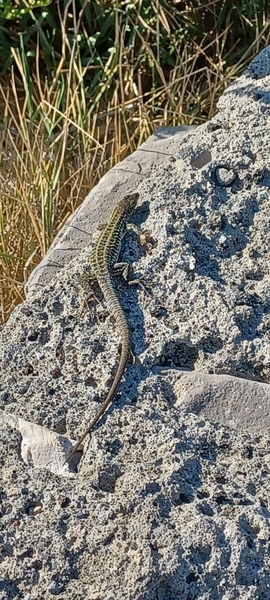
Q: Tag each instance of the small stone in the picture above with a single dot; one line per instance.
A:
(54, 588)
(192, 263)
(222, 240)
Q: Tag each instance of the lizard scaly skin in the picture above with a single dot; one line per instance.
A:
(103, 258)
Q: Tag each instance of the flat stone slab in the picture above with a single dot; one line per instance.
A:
(231, 401)
(40, 447)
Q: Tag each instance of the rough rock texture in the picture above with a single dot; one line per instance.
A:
(163, 508)
(165, 505)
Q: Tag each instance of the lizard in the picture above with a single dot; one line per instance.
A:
(103, 259)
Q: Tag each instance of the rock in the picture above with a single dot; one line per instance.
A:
(41, 447)
(232, 401)
(165, 503)
(53, 588)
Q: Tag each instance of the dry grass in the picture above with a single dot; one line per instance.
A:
(57, 140)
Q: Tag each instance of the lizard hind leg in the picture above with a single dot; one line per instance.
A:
(90, 286)
(132, 359)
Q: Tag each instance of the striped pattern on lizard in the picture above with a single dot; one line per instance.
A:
(103, 259)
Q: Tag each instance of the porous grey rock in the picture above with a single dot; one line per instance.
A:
(165, 504)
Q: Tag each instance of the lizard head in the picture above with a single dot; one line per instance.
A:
(127, 205)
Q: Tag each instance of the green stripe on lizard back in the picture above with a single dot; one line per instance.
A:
(107, 248)
(102, 260)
